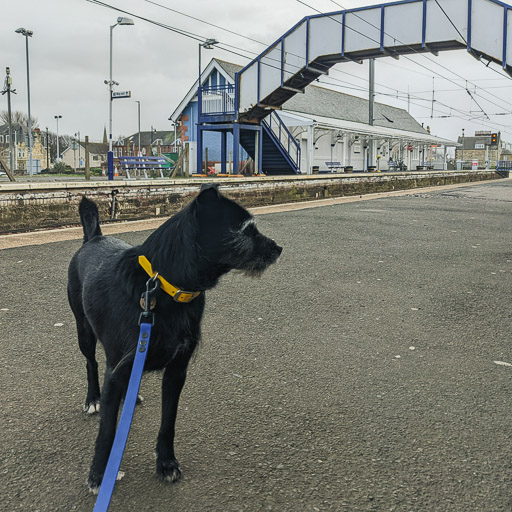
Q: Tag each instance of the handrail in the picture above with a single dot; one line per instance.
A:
(218, 99)
(284, 137)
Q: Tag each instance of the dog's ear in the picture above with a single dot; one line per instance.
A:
(209, 192)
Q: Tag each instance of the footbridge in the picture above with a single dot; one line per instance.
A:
(316, 43)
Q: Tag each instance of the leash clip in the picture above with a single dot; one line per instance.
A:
(147, 316)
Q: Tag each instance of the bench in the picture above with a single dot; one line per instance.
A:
(334, 166)
(138, 164)
(503, 167)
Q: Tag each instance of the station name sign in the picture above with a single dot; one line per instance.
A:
(121, 94)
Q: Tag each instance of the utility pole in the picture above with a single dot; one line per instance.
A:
(371, 156)
(7, 90)
(87, 164)
(139, 153)
(77, 134)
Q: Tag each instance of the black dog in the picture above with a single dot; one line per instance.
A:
(191, 250)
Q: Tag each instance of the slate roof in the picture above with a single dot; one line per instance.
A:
(98, 148)
(229, 67)
(329, 103)
(95, 148)
(470, 142)
(147, 137)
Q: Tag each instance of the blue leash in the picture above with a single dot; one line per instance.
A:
(123, 429)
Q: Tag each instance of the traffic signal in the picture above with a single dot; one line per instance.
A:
(494, 139)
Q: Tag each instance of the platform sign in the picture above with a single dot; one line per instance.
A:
(121, 94)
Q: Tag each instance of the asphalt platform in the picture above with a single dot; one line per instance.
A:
(370, 369)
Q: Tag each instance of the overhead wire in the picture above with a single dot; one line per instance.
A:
(406, 45)
(229, 47)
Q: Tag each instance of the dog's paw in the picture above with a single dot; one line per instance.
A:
(140, 399)
(94, 482)
(168, 470)
(92, 407)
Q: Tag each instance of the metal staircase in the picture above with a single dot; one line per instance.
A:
(280, 151)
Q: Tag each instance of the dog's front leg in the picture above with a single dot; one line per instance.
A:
(114, 387)
(167, 467)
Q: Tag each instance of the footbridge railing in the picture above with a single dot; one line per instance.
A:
(219, 99)
(284, 138)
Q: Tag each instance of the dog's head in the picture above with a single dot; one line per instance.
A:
(228, 235)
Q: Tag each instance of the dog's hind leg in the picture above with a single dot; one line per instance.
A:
(114, 388)
(87, 343)
(167, 467)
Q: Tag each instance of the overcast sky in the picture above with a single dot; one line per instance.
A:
(69, 61)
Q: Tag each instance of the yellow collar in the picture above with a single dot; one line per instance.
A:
(177, 294)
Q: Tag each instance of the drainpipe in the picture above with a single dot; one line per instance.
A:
(113, 204)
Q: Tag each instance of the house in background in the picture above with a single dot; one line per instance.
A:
(485, 147)
(21, 153)
(318, 130)
(74, 155)
(152, 143)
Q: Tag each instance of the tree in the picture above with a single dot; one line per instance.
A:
(18, 119)
(64, 142)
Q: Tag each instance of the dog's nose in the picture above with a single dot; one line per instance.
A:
(279, 250)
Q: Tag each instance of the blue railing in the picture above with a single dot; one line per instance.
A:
(284, 137)
(504, 165)
(218, 100)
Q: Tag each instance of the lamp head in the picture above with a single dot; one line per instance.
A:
(24, 31)
(124, 21)
(208, 44)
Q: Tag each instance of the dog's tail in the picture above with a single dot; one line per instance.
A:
(90, 218)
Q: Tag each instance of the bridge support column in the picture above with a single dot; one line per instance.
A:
(343, 150)
(258, 150)
(223, 151)
(309, 148)
(236, 147)
(199, 162)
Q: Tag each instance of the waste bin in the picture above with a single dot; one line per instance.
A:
(316, 168)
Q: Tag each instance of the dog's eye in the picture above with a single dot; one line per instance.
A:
(250, 229)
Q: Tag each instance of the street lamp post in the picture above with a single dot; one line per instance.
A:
(139, 153)
(27, 34)
(57, 158)
(120, 21)
(47, 150)
(462, 157)
(207, 45)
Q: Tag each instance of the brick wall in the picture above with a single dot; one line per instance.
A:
(25, 207)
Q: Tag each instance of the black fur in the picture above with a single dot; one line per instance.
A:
(192, 250)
